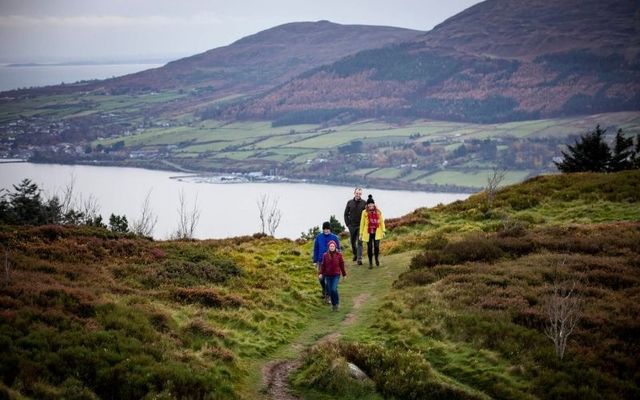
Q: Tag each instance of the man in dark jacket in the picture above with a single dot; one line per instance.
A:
(352, 214)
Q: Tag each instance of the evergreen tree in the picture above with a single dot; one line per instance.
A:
(95, 221)
(25, 204)
(623, 154)
(53, 211)
(4, 206)
(336, 226)
(311, 233)
(118, 223)
(590, 153)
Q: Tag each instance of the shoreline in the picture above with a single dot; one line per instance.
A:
(253, 177)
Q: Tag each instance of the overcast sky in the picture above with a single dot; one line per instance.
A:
(78, 30)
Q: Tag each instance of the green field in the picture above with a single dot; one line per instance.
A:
(258, 141)
(185, 137)
(476, 178)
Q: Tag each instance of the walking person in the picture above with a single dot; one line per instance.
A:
(352, 216)
(331, 267)
(320, 246)
(372, 230)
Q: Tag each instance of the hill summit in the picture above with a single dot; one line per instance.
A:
(262, 60)
(496, 61)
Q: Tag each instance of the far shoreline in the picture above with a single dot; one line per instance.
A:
(373, 184)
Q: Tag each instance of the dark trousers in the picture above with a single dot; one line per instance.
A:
(356, 243)
(373, 247)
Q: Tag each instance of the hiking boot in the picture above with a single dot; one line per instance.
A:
(359, 262)
(377, 262)
(370, 265)
(327, 299)
(335, 307)
(355, 258)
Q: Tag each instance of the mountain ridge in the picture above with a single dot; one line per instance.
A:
(481, 66)
(253, 63)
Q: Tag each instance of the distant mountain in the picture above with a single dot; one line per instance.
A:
(256, 62)
(499, 60)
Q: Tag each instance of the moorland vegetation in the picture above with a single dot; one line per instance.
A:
(457, 310)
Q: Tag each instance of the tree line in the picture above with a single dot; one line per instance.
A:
(26, 205)
(591, 153)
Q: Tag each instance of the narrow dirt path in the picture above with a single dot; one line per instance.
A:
(365, 288)
(276, 375)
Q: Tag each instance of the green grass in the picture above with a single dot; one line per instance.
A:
(476, 179)
(386, 173)
(363, 171)
(223, 140)
(413, 175)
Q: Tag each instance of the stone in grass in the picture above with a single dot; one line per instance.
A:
(356, 372)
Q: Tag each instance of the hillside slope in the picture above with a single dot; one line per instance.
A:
(499, 60)
(86, 313)
(253, 63)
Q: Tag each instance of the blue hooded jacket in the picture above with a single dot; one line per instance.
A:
(321, 245)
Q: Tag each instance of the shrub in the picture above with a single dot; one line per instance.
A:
(516, 246)
(324, 369)
(437, 242)
(475, 248)
(512, 228)
(401, 373)
(187, 273)
(207, 297)
(415, 277)
(522, 202)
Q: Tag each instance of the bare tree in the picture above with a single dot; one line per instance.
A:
(187, 218)
(269, 214)
(493, 181)
(563, 308)
(67, 200)
(147, 221)
(273, 219)
(90, 207)
(262, 202)
(76, 209)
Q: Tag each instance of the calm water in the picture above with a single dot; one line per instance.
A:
(43, 75)
(226, 209)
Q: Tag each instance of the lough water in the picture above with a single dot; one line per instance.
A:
(24, 76)
(227, 209)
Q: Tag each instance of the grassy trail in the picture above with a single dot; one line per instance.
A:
(360, 296)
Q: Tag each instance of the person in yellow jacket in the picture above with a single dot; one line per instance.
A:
(372, 230)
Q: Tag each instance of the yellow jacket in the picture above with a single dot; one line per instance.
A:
(364, 226)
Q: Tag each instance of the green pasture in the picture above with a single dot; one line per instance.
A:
(236, 155)
(305, 155)
(386, 173)
(473, 179)
(413, 175)
(280, 140)
(206, 147)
